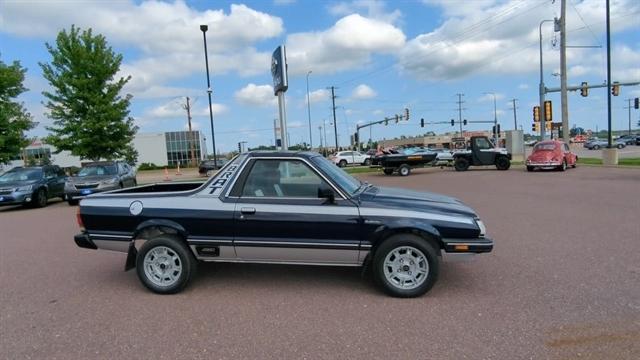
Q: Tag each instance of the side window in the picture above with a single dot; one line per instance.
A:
(282, 179)
(121, 170)
(49, 173)
(483, 144)
(60, 172)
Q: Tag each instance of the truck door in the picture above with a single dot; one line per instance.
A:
(482, 151)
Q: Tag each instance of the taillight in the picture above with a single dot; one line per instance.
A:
(79, 219)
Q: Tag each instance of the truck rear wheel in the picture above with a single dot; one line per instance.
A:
(461, 164)
(503, 163)
(165, 265)
(405, 265)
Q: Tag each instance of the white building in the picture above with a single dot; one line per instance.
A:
(161, 149)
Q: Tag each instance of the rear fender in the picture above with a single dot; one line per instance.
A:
(164, 225)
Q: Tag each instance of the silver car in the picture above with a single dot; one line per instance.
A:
(99, 177)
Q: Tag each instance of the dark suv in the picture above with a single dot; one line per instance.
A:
(207, 167)
(98, 177)
(32, 186)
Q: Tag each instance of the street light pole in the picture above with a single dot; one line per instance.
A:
(309, 111)
(495, 120)
(204, 29)
(542, 89)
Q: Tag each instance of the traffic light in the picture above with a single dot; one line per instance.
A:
(535, 127)
(548, 111)
(386, 121)
(636, 103)
(406, 114)
(496, 129)
(615, 89)
(464, 122)
(356, 138)
(397, 118)
(239, 148)
(536, 113)
(453, 122)
(548, 125)
(422, 120)
(584, 90)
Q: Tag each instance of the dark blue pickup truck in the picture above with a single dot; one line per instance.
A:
(285, 208)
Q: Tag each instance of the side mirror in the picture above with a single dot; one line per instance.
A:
(327, 193)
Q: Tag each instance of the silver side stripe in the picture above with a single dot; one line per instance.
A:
(111, 236)
(213, 241)
(320, 244)
(415, 215)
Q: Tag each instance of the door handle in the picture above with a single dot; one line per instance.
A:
(248, 210)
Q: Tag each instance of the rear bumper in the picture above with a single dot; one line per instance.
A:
(83, 241)
(478, 245)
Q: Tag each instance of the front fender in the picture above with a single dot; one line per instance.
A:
(406, 225)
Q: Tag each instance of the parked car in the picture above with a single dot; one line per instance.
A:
(283, 208)
(32, 186)
(551, 154)
(99, 177)
(206, 167)
(629, 139)
(344, 158)
(596, 144)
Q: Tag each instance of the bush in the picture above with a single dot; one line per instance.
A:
(149, 166)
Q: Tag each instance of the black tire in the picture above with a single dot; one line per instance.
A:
(72, 202)
(529, 168)
(396, 242)
(175, 247)
(388, 171)
(367, 162)
(461, 164)
(620, 146)
(563, 167)
(596, 147)
(575, 164)
(342, 163)
(39, 199)
(404, 170)
(135, 182)
(503, 163)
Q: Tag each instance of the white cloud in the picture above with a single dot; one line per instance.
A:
(489, 97)
(488, 36)
(167, 35)
(175, 108)
(363, 92)
(346, 45)
(319, 96)
(374, 9)
(256, 95)
(523, 86)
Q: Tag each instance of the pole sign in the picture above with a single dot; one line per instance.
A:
(279, 70)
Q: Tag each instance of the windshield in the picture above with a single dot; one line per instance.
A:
(21, 175)
(94, 170)
(344, 180)
(544, 147)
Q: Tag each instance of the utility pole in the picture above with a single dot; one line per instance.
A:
(335, 126)
(609, 139)
(563, 71)
(187, 107)
(309, 111)
(515, 117)
(460, 102)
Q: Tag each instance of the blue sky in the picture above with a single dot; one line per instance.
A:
(381, 56)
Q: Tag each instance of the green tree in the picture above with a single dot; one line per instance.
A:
(14, 119)
(91, 118)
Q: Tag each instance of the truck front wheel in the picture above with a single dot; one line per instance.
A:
(165, 265)
(405, 265)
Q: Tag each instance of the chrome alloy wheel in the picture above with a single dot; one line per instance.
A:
(406, 267)
(162, 266)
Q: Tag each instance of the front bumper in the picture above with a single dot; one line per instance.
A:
(16, 198)
(82, 193)
(476, 246)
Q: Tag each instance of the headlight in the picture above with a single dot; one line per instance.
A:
(25, 188)
(483, 229)
(109, 181)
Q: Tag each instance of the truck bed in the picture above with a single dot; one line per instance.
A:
(160, 187)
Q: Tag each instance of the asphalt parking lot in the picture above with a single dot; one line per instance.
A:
(562, 282)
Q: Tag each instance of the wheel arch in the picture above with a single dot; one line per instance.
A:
(156, 227)
(407, 226)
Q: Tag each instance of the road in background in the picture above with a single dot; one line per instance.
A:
(562, 282)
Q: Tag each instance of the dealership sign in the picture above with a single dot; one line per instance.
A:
(279, 70)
